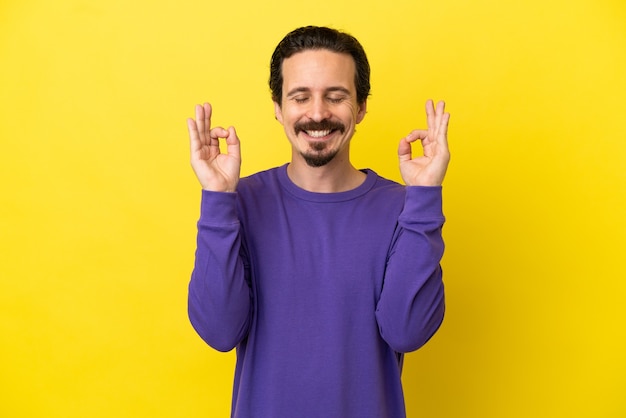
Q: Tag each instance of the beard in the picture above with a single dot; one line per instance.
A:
(318, 154)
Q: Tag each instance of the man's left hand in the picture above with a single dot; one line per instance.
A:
(430, 168)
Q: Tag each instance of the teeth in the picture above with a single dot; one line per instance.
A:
(318, 134)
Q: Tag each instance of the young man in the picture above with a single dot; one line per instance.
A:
(319, 274)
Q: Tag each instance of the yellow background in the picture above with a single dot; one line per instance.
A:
(98, 202)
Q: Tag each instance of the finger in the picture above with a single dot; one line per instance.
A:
(430, 114)
(439, 111)
(404, 150)
(199, 111)
(194, 140)
(432, 121)
(442, 135)
(218, 132)
(214, 136)
(233, 147)
(203, 121)
(416, 134)
(208, 110)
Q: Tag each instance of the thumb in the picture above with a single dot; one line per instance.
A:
(404, 150)
(233, 145)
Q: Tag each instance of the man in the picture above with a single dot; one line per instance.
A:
(319, 274)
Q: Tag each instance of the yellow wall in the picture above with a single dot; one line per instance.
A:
(98, 202)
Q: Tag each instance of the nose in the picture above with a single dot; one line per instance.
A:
(318, 110)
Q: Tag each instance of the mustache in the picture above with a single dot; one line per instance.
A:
(322, 125)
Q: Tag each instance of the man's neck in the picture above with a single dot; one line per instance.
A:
(333, 177)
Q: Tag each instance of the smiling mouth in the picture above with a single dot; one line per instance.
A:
(318, 134)
(319, 130)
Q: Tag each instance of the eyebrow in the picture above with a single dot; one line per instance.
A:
(298, 90)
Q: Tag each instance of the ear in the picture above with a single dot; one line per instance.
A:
(362, 111)
(278, 112)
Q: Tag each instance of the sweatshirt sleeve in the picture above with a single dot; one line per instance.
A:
(219, 302)
(411, 305)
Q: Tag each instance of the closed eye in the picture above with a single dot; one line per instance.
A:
(336, 100)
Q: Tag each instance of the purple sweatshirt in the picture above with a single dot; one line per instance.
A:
(320, 293)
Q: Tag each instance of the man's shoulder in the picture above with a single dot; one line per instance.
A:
(263, 176)
(264, 181)
(384, 184)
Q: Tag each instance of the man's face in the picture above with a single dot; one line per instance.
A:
(319, 109)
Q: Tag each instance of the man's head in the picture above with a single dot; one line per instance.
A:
(320, 83)
(315, 38)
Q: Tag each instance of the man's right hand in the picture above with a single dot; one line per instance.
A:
(216, 171)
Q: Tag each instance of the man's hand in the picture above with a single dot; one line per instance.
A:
(216, 171)
(430, 168)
